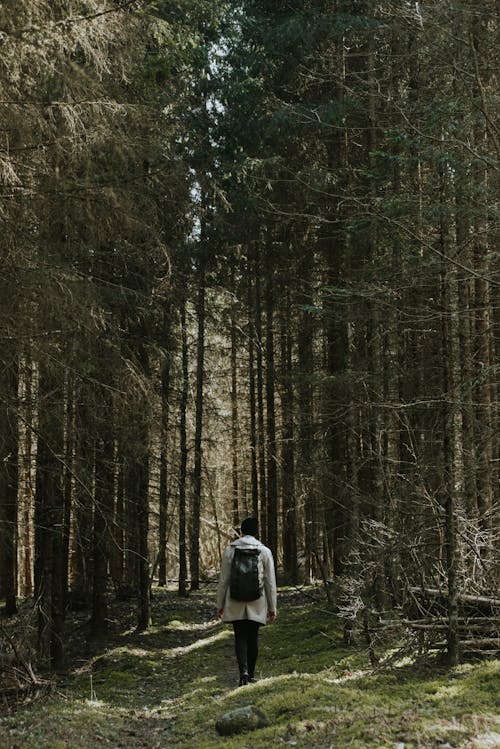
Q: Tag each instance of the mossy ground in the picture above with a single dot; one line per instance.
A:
(168, 686)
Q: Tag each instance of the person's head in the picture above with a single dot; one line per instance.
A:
(250, 527)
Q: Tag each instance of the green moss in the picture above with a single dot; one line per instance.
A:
(169, 686)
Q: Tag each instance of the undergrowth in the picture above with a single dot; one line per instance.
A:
(168, 686)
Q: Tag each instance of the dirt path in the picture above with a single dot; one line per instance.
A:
(166, 687)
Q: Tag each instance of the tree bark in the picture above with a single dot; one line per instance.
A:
(254, 476)
(69, 472)
(117, 552)
(234, 401)
(103, 517)
(452, 414)
(182, 587)
(49, 504)
(272, 472)
(289, 510)
(80, 568)
(9, 479)
(163, 495)
(141, 465)
(194, 535)
(261, 432)
(305, 415)
(26, 469)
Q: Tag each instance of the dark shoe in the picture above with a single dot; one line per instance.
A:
(244, 679)
(251, 680)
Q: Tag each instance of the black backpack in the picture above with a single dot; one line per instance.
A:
(245, 584)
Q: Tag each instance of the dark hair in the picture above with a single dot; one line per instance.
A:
(250, 527)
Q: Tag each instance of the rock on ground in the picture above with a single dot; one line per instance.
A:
(241, 719)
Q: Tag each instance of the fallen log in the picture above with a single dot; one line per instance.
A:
(439, 626)
(481, 643)
(462, 597)
(474, 646)
(439, 620)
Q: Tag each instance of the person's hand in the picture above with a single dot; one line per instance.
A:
(220, 613)
(271, 616)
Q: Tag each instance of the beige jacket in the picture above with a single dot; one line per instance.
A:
(254, 610)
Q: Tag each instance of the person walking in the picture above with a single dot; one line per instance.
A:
(247, 553)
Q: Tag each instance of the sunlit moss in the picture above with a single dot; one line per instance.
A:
(168, 688)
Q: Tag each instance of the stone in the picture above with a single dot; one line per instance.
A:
(247, 718)
(488, 740)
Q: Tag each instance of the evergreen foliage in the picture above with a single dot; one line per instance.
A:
(248, 267)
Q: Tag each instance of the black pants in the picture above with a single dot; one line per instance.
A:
(246, 636)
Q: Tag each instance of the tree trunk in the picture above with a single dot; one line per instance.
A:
(336, 389)
(334, 397)
(194, 535)
(305, 416)
(144, 584)
(26, 468)
(390, 450)
(80, 569)
(141, 472)
(69, 470)
(103, 516)
(131, 525)
(182, 589)
(234, 401)
(452, 414)
(465, 323)
(272, 473)
(289, 510)
(261, 433)
(117, 552)
(49, 504)
(9, 480)
(483, 31)
(253, 409)
(163, 496)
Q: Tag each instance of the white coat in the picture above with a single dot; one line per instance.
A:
(254, 610)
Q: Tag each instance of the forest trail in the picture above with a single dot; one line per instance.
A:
(168, 686)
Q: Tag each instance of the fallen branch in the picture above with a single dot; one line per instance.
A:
(25, 665)
(481, 643)
(439, 620)
(462, 597)
(438, 626)
(27, 690)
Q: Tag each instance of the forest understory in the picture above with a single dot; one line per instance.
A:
(168, 686)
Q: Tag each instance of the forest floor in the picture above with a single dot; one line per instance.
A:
(168, 686)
